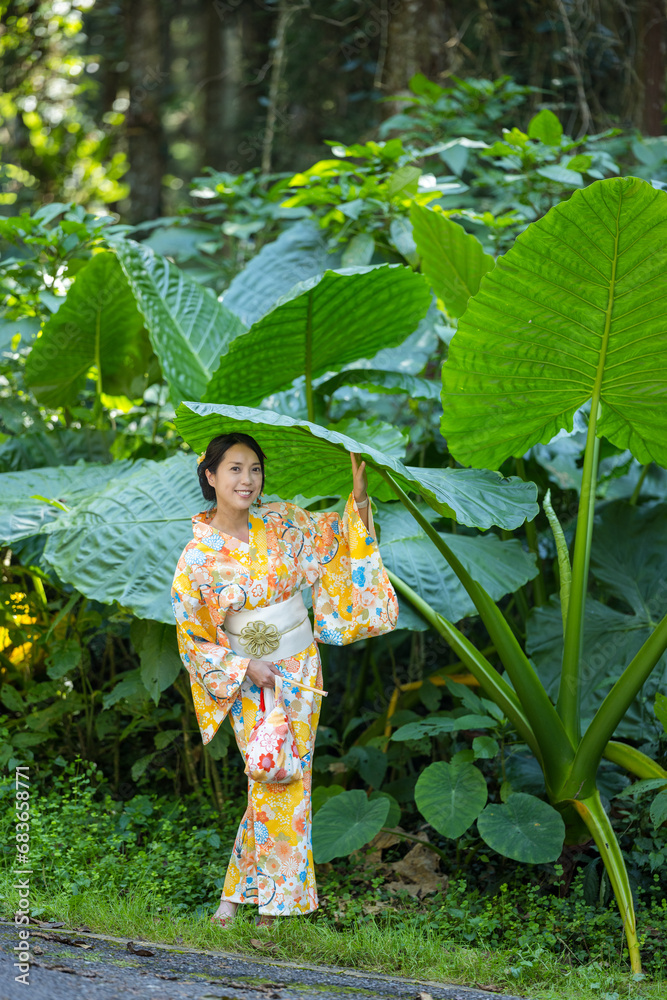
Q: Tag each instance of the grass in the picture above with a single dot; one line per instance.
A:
(151, 868)
(402, 950)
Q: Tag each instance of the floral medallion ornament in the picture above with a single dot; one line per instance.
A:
(259, 638)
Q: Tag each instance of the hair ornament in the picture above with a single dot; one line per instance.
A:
(201, 457)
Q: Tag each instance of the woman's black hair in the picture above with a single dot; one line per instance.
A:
(215, 452)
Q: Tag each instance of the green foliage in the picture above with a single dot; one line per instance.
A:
(188, 327)
(321, 325)
(500, 567)
(523, 828)
(608, 304)
(121, 524)
(98, 326)
(452, 260)
(345, 823)
(169, 844)
(629, 566)
(450, 796)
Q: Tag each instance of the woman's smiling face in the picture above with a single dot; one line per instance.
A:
(238, 479)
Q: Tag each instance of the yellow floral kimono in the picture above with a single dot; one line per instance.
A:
(288, 550)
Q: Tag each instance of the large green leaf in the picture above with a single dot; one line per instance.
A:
(61, 446)
(97, 324)
(321, 325)
(21, 515)
(629, 564)
(501, 567)
(452, 260)
(524, 828)
(450, 796)
(576, 307)
(345, 823)
(156, 644)
(314, 461)
(381, 381)
(123, 542)
(299, 253)
(439, 725)
(188, 327)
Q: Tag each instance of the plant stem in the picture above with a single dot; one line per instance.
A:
(564, 565)
(633, 760)
(567, 705)
(592, 812)
(640, 482)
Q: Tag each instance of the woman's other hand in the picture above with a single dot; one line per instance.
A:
(262, 673)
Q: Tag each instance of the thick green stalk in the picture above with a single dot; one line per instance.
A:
(557, 751)
(568, 706)
(615, 705)
(592, 812)
(633, 760)
(494, 686)
(564, 566)
(308, 364)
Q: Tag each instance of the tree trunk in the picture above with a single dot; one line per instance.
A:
(653, 64)
(145, 138)
(417, 33)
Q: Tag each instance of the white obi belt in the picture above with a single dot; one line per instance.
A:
(273, 632)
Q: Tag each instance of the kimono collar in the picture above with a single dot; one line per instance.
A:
(202, 530)
(204, 533)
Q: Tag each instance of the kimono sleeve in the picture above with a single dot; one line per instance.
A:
(353, 598)
(216, 673)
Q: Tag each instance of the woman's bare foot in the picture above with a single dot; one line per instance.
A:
(225, 913)
(263, 920)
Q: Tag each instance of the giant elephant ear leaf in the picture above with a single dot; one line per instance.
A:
(574, 311)
(321, 325)
(122, 542)
(452, 260)
(300, 252)
(99, 325)
(188, 327)
(312, 460)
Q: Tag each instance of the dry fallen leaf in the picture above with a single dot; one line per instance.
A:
(139, 951)
(421, 866)
(263, 945)
(423, 996)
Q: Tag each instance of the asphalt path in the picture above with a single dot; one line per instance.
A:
(67, 964)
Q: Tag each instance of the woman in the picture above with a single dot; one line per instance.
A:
(241, 623)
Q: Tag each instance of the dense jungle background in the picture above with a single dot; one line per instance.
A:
(330, 225)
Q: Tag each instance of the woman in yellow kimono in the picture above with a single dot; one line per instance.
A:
(249, 556)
